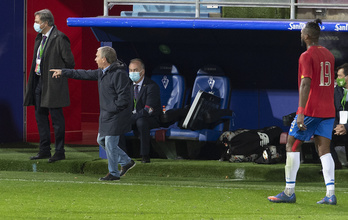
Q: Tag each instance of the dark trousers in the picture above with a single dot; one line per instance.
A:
(43, 124)
(337, 140)
(141, 128)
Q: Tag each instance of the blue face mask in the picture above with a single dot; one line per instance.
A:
(37, 27)
(134, 76)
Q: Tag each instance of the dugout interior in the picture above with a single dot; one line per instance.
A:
(259, 56)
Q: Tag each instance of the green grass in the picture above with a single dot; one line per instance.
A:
(163, 189)
(28, 195)
(249, 12)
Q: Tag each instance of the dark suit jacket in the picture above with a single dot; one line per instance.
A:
(114, 97)
(338, 97)
(57, 55)
(149, 95)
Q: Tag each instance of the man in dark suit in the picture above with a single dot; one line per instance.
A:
(146, 106)
(340, 137)
(115, 106)
(52, 50)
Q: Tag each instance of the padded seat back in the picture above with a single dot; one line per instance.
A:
(211, 79)
(172, 85)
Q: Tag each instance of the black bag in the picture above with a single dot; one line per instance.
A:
(248, 142)
(287, 119)
(271, 155)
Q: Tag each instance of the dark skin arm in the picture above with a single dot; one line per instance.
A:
(303, 97)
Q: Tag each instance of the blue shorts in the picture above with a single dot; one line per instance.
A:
(315, 126)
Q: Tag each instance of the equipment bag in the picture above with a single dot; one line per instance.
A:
(271, 154)
(248, 142)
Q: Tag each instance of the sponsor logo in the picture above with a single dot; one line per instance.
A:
(300, 26)
(341, 27)
(296, 26)
(165, 67)
(210, 69)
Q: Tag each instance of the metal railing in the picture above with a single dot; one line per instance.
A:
(292, 4)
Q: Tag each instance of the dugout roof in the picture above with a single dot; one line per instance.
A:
(123, 28)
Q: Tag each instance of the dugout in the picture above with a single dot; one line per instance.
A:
(259, 56)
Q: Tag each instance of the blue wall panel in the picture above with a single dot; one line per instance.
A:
(274, 104)
(11, 62)
(255, 109)
(244, 104)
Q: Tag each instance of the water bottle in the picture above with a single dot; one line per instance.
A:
(34, 167)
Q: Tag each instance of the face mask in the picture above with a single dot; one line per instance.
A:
(37, 27)
(341, 82)
(134, 76)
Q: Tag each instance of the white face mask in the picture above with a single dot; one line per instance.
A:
(37, 27)
(134, 76)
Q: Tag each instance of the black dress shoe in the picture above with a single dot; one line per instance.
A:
(56, 157)
(145, 159)
(41, 156)
(109, 177)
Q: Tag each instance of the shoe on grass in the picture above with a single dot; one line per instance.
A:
(127, 167)
(283, 198)
(109, 177)
(56, 157)
(328, 200)
(145, 159)
(41, 156)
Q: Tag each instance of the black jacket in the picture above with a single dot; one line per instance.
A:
(114, 97)
(149, 95)
(57, 55)
(338, 98)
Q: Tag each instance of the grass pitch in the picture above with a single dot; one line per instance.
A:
(163, 189)
(39, 195)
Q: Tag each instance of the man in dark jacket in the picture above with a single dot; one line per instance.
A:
(115, 106)
(340, 137)
(145, 95)
(52, 50)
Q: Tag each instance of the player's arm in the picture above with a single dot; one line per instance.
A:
(303, 97)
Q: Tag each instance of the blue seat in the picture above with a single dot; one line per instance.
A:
(172, 88)
(209, 79)
(172, 85)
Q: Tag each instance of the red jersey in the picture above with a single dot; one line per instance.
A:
(318, 63)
